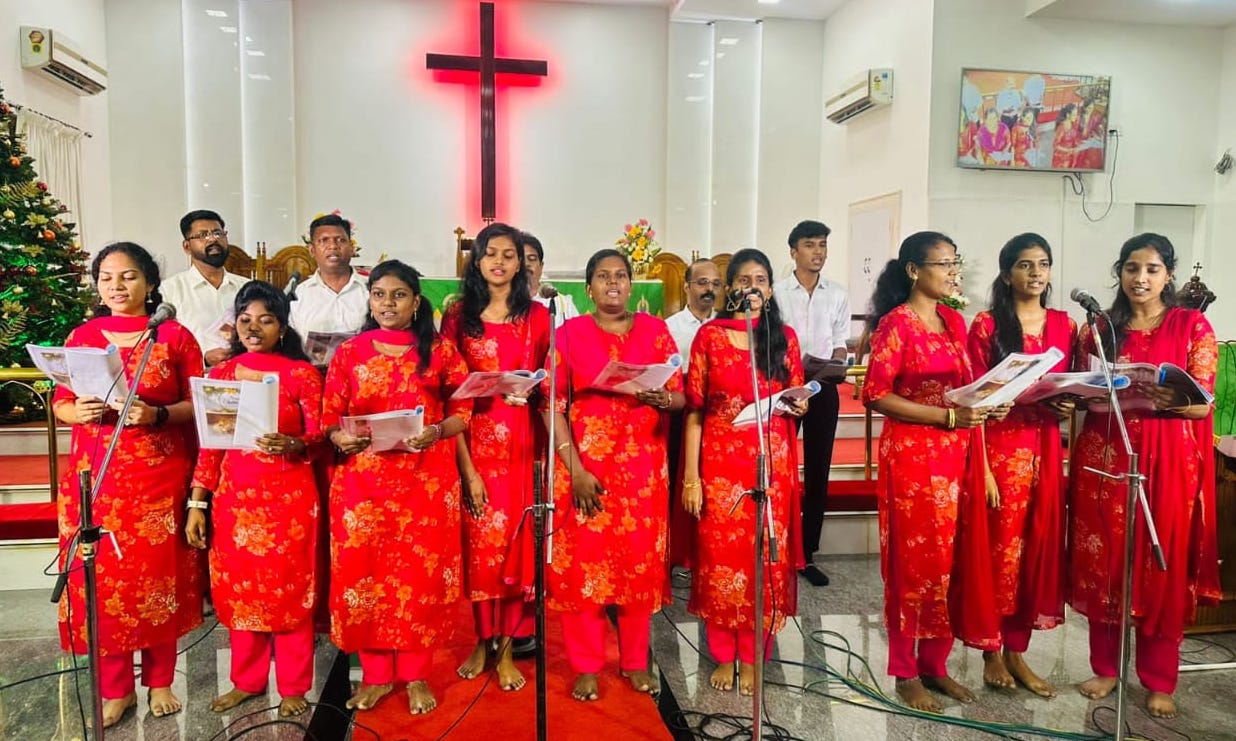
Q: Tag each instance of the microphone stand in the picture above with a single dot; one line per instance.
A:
(543, 527)
(89, 535)
(1136, 495)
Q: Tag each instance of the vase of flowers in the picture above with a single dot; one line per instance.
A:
(638, 244)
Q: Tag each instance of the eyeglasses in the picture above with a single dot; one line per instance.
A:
(949, 265)
(216, 233)
(705, 283)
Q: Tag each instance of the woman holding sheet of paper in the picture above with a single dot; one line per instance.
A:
(394, 514)
(1025, 461)
(610, 483)
(497, 326)
(719, 466)
(934, 554)
(264, 511)
(152, 595)
(1174, 441)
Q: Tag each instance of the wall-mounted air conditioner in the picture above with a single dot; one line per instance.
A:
(872, 89)
(49, 53)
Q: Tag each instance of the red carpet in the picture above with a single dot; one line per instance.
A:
(621, 713)
(27, 470)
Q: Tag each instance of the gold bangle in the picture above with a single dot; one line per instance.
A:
(692, 485)
(952, 419)
(564, 445)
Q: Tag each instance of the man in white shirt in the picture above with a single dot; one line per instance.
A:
(703, 283)
(335, 298)
(203, 295)
(543, 294)
(819, 311)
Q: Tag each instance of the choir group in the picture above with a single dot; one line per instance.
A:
(981, 538)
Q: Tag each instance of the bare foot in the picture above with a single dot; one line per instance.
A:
(475, 663)
(642, 681)
(948, 686)
(995, 673)
(509, 677)
(586, 688)
(114, 710)
(1161, 705)
(368, 695)
(420, 698)
(1017, 666)
(746, 679)
(229, 700)
(913, 693)
(1096, 688)
(722, 677)
(293, 705)
(162, 702)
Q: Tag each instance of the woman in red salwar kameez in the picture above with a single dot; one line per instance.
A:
(149, 589)
(610, 484)
(1026, 461)
(1091, 125)
(1174, 441)
(497, 326)
(1067, 138)
(932, 508)
(264, 511)
(395, 532)
(719, 466)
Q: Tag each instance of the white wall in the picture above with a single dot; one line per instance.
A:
(1164, 101)
(1220, 259)
(83, 22)
(882, 151)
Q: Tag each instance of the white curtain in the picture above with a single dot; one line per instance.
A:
(57, 153)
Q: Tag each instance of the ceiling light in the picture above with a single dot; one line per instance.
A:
(227, 29)
(216, 14)
(695, 98)
(695, 75)
(728, 41)
(258, 77)
(720, 54)
(255, 52)
(768, 2)
(703, 62)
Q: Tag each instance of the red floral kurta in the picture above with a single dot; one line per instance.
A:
(1177, 457)
(932, 508)
(151, 591)
(395, 537)
(722, 585)
(503, 443)
(1027, 460)
(264, 513)
(617, 556)
(1063, 154)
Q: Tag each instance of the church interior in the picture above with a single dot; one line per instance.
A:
(721, 124)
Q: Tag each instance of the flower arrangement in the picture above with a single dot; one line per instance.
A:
(638, 244)
(959, 300)
(356, 248)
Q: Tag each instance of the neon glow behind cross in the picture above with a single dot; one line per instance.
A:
(488, 66)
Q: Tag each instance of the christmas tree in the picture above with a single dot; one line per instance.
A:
(43, 292)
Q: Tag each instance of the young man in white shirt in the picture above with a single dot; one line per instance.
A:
(204, 293)
(819, 311)
(703, 284)
(534, 259)
(335, 298)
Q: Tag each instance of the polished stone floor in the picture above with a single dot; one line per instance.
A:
(800, 698)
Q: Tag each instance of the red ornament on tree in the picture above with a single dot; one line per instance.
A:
(15, 161)
(41, 186)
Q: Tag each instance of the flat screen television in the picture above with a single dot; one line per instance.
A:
(1033, 121)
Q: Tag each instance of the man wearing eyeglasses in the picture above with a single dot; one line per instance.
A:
(204, 293)
(335, 298)
(702, 287)
(819, 311)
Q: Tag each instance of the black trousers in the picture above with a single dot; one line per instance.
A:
(819, 429)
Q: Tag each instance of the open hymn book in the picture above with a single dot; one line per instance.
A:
(86, 371)
(778, 402)
(631, 378)
(498, 383)
(387, 430)
(1185, 388)
(232, 415)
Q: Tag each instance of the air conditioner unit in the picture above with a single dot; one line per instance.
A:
(872, 89)
(50, 53)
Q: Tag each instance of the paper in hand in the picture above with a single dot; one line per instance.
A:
(86, 371)
(631, 378)
(387, 430)
(779, 401)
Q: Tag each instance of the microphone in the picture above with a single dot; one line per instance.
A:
(547, 290)
(164, 312)
(290, 289)
(1088, 302)
(739, 296)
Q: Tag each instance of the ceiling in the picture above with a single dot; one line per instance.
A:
(1166, 12)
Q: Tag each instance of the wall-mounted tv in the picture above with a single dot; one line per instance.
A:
(1032, 121)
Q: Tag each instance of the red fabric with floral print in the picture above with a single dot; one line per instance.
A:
(722, 584)
(264, 512)
(395, 531)
(503, 442)
(617, 556)
(150, 592)
(1177, 458)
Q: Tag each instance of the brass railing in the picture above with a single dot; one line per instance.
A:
(859, 374)
(42, 387)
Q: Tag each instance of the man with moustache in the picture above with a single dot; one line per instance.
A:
(335, 298)
(204, 293)
(819, 311)
(544, 293)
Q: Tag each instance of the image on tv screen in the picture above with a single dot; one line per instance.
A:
(1033, 121)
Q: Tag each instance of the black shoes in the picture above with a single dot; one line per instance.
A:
(815, 576)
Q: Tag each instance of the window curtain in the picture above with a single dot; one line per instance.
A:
(57, 153)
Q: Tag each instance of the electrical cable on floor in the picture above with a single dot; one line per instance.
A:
(352, 723)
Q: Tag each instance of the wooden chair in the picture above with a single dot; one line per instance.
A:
(463, 251)
(239, 262)
(671, 270)
(274, 270)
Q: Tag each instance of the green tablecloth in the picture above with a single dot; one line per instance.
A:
(646, 295)
(1225, 390)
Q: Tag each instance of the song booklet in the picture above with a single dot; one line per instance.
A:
(232, 415)
(87, 371)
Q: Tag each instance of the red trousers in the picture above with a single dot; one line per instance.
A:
(1016, 636)
(1157, 659)
(385, 667)
(293, 660)
(931, 660)
(727, 645)
(584, 635)
(158, 670)
(512, 617)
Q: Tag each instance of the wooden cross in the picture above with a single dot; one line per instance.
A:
(488, 66)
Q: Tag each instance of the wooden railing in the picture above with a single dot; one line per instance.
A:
(42, 387)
